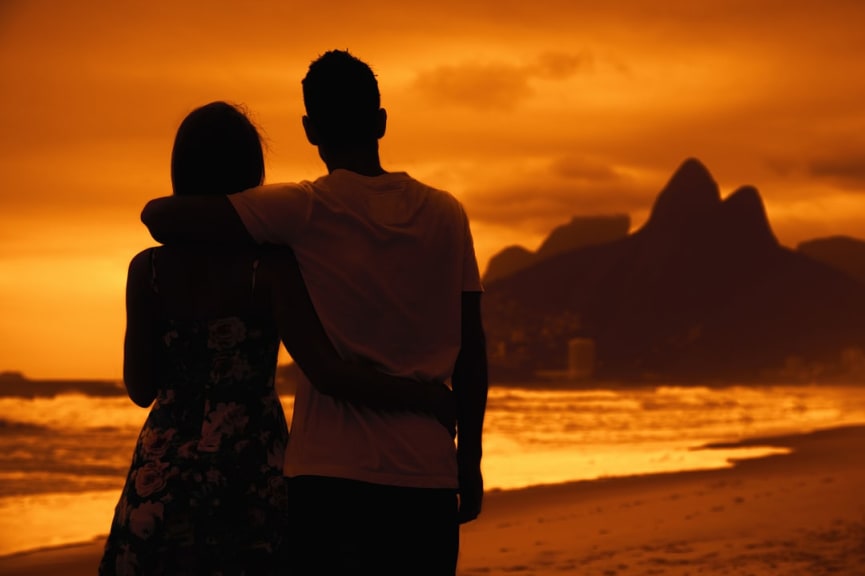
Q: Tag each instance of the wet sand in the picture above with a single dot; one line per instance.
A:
(794, 514)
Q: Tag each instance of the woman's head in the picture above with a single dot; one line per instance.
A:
(217, 150)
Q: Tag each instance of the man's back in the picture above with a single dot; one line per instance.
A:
(386, 260)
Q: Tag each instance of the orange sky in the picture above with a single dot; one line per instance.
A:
(530, 112)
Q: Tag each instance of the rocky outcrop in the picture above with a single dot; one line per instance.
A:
(703, 291)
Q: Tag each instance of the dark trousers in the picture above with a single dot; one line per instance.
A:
(341, 527)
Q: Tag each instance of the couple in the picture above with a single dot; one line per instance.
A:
(386, 309)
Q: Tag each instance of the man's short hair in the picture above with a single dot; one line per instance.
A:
(342, 100)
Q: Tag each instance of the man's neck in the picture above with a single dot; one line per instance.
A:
(364, 161)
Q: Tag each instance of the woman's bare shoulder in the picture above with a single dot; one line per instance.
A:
(141, 264)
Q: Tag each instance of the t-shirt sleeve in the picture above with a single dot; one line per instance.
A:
(275, 213)
(471, 272)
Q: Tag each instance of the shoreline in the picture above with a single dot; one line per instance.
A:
(800, 512)
(547, 383)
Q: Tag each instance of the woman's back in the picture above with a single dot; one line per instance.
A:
(207, 469)
(220, 342)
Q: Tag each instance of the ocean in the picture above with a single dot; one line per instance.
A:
(63, 459)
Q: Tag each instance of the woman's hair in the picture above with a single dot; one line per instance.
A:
(217, 150)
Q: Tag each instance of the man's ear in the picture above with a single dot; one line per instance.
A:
(381, 123)
(309, 128)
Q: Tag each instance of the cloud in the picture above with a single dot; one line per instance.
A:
(561, 65)
(497, 85)
(571, 186)
(585, 169)
(480, 86)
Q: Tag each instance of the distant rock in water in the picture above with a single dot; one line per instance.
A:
(702, 292)
(580, 232)
(840, 252)
(17, 385)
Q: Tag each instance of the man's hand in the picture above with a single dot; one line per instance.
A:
(201, 218)
(469, 382)
(471, 493)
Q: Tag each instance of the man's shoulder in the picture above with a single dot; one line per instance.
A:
(274, 195)
(438, 195)
(277, 188)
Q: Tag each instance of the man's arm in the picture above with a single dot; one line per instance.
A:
(470, 393)
(305, 339)
(209, 219)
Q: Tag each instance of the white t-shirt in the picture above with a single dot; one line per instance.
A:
(386, 260)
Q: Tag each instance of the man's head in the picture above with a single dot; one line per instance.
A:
(343, 105)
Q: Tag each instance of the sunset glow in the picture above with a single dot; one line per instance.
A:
(530, 113)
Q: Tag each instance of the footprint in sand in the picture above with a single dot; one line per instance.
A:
(548, 558)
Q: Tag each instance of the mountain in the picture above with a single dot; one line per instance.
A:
(703, 291)
(579, 232)
(840, 252)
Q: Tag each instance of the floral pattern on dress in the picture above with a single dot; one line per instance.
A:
(205, 493)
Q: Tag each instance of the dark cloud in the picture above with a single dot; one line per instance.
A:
(835, 160)
(847, 171)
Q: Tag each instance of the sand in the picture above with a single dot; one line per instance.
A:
(797, 514)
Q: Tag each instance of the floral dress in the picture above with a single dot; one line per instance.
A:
(205, 492)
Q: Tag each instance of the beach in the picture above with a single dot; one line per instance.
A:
(801, 513)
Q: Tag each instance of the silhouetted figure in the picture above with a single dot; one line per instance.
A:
(390, 265)
(205, 492)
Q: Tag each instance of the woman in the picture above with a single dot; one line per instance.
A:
(205, 491)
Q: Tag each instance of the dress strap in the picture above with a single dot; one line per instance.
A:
(154, 285)
(255, 264)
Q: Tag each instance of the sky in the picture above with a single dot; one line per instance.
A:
(529, 112)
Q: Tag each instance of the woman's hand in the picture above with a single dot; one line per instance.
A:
(445, 408)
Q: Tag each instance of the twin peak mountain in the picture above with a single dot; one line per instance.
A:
(702, 292)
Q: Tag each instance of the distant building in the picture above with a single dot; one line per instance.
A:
(581, 358)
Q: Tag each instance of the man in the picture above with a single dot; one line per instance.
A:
(390, 266)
